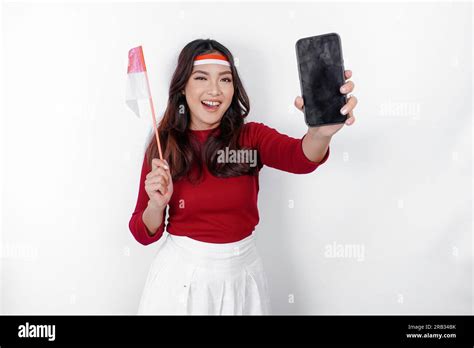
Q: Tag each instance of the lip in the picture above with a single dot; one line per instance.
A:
(212, 100)
(211, 109)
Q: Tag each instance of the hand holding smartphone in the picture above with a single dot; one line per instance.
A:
(321, 74)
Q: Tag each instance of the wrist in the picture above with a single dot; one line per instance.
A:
(317, 133)
(155, 207)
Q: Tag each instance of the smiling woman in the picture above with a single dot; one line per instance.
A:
(205, 93)
(208, 262)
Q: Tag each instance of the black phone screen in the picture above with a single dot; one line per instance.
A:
(321, 74)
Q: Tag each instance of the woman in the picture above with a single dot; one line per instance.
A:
(208, 262)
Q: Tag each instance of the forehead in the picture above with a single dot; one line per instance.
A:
(211, 68)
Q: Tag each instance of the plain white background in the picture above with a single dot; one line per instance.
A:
(397, 186)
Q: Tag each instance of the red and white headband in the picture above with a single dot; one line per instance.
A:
(213, 58)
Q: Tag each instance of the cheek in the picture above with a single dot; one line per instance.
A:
(229, 94)
(193, 96)
(193, 90)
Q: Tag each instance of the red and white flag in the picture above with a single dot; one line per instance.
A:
(138, 91)
(138, 94)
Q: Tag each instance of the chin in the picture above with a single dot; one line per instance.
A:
(211, 121)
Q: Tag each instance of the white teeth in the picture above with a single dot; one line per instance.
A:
(211, 103)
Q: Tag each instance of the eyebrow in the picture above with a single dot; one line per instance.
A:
(206, 73)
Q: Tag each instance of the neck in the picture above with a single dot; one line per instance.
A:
(200, 127)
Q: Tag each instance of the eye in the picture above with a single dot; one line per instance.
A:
(203, 78)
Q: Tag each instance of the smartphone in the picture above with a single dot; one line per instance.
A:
(321, 75)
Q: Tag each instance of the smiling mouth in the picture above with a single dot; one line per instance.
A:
(210, 105)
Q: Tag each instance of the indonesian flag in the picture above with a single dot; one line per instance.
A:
(138, 94)
(138, 91)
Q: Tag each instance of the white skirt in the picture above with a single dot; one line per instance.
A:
(188, 276)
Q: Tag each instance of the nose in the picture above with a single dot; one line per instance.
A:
(214, 89)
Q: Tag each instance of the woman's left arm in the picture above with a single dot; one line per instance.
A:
(317, 139)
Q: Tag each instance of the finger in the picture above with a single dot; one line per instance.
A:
(169, 181)
(162, 189)
(351, 119)
(158, 171)
(299, 103)
(348, 74)
(347, 87)
(165, 179)
(158, 188)
(351, 103)
(158, 179)
(156, 162)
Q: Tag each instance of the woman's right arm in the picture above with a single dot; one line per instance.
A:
(152, 230)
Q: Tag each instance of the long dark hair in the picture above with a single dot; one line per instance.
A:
(179, 149)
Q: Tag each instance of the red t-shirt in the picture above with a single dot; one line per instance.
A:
(223, 210)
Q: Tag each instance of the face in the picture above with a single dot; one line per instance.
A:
(209, 91)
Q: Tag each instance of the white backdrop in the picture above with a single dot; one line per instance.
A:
(396, 190)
